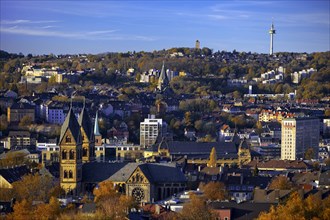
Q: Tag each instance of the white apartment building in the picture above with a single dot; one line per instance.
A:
(150, 129)
(299, 134)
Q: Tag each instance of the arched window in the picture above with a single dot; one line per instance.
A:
(84, 152)
(71, 155)
(68, 139)
(65, 174)
(64, 154)
(70, 174)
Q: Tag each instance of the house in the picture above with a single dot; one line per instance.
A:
(17, 111)
(20, 139)
(11, 175)
(238, 211)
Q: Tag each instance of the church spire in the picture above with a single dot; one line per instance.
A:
(163, 80)
(96, 125)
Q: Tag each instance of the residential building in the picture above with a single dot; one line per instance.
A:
(150, 129)
(20, 139)
(299, 134)
(19, 110)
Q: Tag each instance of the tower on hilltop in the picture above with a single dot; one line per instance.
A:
(271, 32)
(197, 45)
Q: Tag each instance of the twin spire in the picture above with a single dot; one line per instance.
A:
(83, 121)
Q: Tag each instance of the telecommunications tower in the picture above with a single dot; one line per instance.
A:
(271, 32)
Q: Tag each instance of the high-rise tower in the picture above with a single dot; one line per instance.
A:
(271, 32)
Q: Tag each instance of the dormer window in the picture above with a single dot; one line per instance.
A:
(68, 139)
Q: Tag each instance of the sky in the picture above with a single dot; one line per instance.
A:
(71, 27)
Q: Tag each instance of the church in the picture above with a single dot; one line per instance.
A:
(80, 173)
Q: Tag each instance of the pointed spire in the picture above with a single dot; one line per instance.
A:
(71, 123)
(85, 122)
(163, 80)
(96, 125)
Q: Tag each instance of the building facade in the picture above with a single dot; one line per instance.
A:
(150, 129)
(71, 155)
(299, 134)
(17, 111)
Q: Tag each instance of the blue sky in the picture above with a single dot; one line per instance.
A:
(60, 27)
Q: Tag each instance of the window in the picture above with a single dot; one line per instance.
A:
(68, 139)
(71, 155)
(65, 174)
(84, 152)
(64, 154)
(70, 174)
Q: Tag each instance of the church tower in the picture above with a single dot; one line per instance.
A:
(97, 134)
(87, 135)
(71, 155)
(163, 80)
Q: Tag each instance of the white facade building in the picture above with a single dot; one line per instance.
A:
(150, 129)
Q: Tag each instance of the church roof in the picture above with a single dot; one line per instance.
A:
(95, 172)
(72, 124)
(86, 123)
(154, 172)
(189, 148)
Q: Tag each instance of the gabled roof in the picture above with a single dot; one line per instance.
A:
(162, 172)
(86, 123)
(198, 148)
(14, 174)
(97, 172)
(72, 124)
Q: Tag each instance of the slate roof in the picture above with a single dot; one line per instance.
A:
(201, 148)
(97, 172)
(124, 173)
(21, 106)
(72, 124)
(162, 173)
(14, 174)
(86, 123)
(154, 172)
(279, 164)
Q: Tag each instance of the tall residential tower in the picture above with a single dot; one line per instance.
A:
(299, 134)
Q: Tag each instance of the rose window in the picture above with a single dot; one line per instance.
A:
(138, 194)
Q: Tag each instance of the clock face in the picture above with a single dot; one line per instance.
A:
(138, 194)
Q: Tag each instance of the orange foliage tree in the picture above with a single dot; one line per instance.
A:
(297, 208)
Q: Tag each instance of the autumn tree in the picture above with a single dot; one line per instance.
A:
(26, 120)
(297, 208)
(196, 209)
(280, 182)
(33, 188)
(22, 210)
(111, 203)
(214, 191)
(213, 158)
(105, 190)
(309, 154)
(48, 211)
